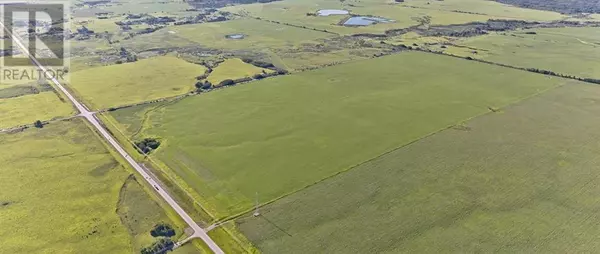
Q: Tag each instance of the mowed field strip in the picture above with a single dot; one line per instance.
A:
(279, 135)
(523, 180)
(129, 83)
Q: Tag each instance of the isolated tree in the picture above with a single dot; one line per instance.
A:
(38, 124)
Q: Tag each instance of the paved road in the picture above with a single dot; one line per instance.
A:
(84, 112)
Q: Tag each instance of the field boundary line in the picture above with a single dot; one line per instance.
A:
(252, 209)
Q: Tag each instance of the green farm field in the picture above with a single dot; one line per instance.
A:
(29, 108)
(259, 35)
(522, 180)
(130, 83)
(62, 191)
(573, 51)
(279, 135)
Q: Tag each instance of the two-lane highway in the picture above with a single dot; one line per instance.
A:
(84, 112)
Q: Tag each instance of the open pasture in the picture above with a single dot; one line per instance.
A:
(128, 83)
(572, 51)
(287, 132)
(525, 179)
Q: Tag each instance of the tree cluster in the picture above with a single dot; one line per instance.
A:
(147, 145)
(159, 247)
(162, 229)
(129, 57)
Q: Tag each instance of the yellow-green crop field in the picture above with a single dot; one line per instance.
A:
(129, 83)
(525, 179)
(61, 191)
(279, 135)
(29, 108)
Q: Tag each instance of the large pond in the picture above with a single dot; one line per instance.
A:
(365, 21)
(235, 36)
(332, 12)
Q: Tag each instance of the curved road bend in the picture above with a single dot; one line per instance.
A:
(198, 231)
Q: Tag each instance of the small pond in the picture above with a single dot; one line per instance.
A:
(332, 12)
(365, 21)
(235, 36)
